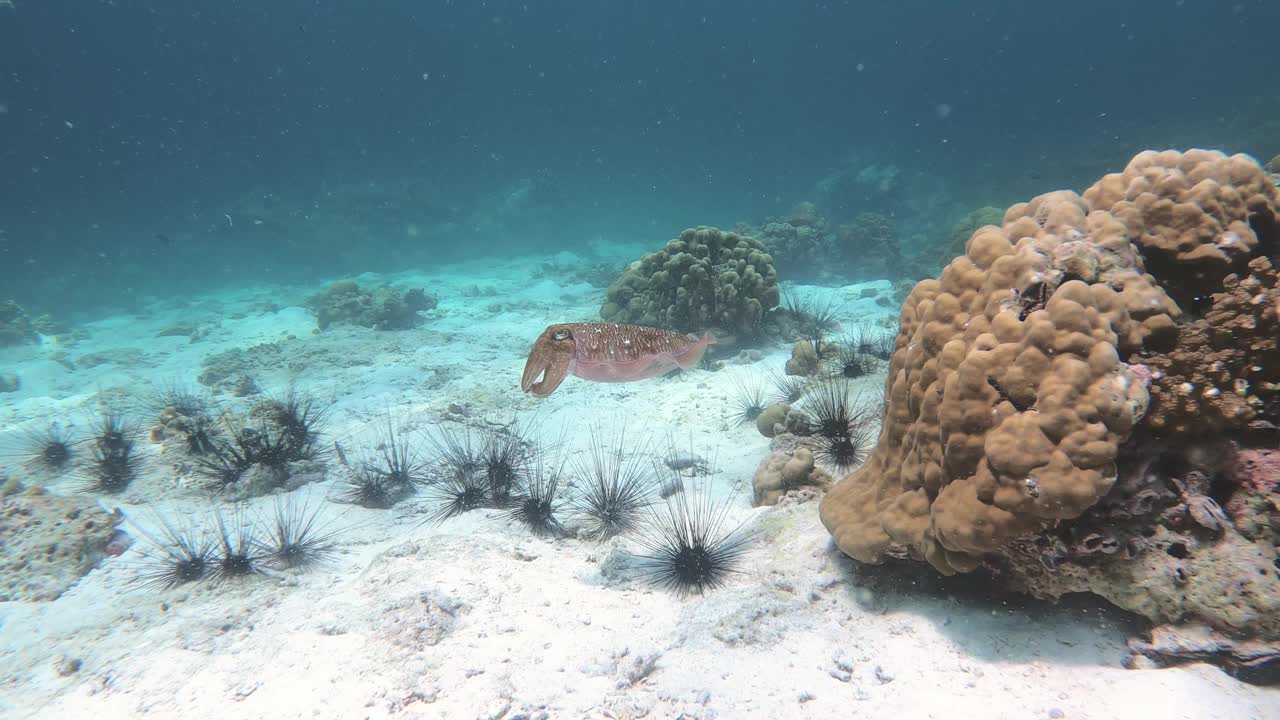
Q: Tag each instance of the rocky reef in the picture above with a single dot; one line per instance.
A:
(1088, 400)
(807, 247)
(345, 302)
(706, 278)
(19, 328)
(782, 472)
(49, 541)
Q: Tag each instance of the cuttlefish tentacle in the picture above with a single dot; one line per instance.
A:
(551, 358)
(607, 352)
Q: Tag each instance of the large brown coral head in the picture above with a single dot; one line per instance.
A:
(1021, 370)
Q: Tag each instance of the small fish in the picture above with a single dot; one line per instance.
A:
(606, 352)
(165, 240)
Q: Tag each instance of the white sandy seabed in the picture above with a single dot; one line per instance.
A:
(476, 618)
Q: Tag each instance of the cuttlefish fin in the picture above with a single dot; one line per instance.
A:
(691, 357)
(550, 358)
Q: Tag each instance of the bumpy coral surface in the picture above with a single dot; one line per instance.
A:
(707, 278)
(869, 247)
(931, 258)
(49, 542)
(781, 472)
(807, 248)
(801, 243)
(1080, 342)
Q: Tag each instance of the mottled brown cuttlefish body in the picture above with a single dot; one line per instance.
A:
(607, 352)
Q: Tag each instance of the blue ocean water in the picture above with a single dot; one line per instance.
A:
(152, 148)
(192, 189)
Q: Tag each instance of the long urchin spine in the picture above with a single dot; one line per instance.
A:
(615, 486)
(180, 555)
(540, 499)
(296, 537)
(689, 548)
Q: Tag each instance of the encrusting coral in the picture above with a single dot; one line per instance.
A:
(1055, 393)
(707, 278)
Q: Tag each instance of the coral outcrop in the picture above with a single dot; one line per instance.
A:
(380, 308)
(802, 244)
(805, 360)
(869, 248)
(707, 278)
(1076, 399)
(806, 248)
(780, 473)
(49, 542)
(16, 327)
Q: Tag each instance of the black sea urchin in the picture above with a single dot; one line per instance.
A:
(397, 458)
(238, 553)
(832, 410)
(453, 454)
(392, 471)
(301, 420)
(178, 398)
(368, 487)
(688, 546)
(505, 457)
(845, 452)
(872, 341)
(455, 495)
(295, 537)
(270, 449)
(180, 555)
(850, 362)
(614, 486)
(181, 410)
(50, 449)
(786, 388)
(843, 428)
(812, 319)
(113, 464)
(749, 399)
(539, 500)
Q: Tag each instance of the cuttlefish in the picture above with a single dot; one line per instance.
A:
(606, 352)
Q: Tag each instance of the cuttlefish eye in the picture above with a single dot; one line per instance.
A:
(561, 335)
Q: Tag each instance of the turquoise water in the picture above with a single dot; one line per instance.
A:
(210, 212)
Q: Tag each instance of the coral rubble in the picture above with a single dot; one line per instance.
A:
(1081, 401)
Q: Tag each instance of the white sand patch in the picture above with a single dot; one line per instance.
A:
(475, 618)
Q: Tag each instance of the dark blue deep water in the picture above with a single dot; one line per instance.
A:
(163, 146)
